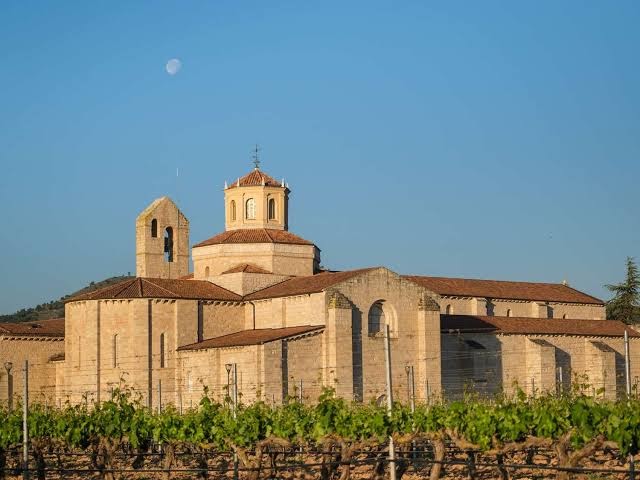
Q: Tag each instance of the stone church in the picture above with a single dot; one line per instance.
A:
(258, 303)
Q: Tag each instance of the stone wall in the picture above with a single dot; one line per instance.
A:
(38, 351)
(520, 308)
(489, 363)
(244, 283)
(277, 258)
(415, 336)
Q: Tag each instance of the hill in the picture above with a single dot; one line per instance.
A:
(55, 308)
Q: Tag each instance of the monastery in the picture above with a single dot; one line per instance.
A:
(258, 303)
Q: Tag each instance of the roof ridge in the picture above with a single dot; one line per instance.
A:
(488, 280)
(124, 285)
(156, 285)
(266, 231)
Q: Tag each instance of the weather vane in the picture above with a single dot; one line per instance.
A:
(256, 157)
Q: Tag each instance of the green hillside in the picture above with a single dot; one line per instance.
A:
(55, 308)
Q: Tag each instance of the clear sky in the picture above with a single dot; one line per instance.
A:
(477, 139)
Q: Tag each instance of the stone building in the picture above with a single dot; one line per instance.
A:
(257, 302)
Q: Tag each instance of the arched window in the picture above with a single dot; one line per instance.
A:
(114, 350)
(162, 359)
(206, 271)
(448, 309)
(377, 318)
(154, 228)
(250, 209)
(168, 244)
(564, 316)
(232, 210)
(508, 312)
(272, 209)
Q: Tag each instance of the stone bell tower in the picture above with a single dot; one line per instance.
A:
(162, 241)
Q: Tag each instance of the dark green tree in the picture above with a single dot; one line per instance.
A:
(625, 304)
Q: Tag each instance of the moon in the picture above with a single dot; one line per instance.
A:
(173, 66)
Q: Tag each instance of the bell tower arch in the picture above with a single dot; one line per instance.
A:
(162, 241)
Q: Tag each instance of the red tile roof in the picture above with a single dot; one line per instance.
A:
(465, 287)
(254, 178)
(43, 328)
(305, 285)
(161, 288)
(246, 268)
(534, 326)
(252, 337)
(254, 235)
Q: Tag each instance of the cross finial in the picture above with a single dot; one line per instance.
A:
(256, 157)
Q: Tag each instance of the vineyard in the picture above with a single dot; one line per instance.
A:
(330, 439)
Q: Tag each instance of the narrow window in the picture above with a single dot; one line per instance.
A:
(272, 209)
(448, 310)
(79, 351)
(250, 210)
(162, 350)
(564, 316)
(168, 244)
(154, 228)
(206, 271)
(232, 211)
(376, 318)
(508, 312)
(114, 350)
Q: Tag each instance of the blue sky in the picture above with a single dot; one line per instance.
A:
(476, 139)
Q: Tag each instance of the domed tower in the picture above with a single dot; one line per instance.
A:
(256, 201)
(256, 241)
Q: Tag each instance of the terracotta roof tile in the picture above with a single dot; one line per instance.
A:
(246, 268)
(254, 178)
(304, 285)
(252, 337)
(254, 235)
(161, 288)
(534, 326)
(551, 292)
(43, 328)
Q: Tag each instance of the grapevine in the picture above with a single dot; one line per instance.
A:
(573, 426)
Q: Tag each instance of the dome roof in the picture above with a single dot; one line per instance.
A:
(256, 178)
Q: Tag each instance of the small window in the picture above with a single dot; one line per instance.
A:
(272, 209)
(376, 318)
(154, 228)
(232, 210)
(114, 350)
(206, 271)
(508, 312)
(168, 244)
(162, 359)
(564, 316)
(250, 210)
(448, 309)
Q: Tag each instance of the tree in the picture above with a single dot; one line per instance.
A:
(625, 304)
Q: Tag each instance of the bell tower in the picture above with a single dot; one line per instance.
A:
(162, 241)
(256, 201)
